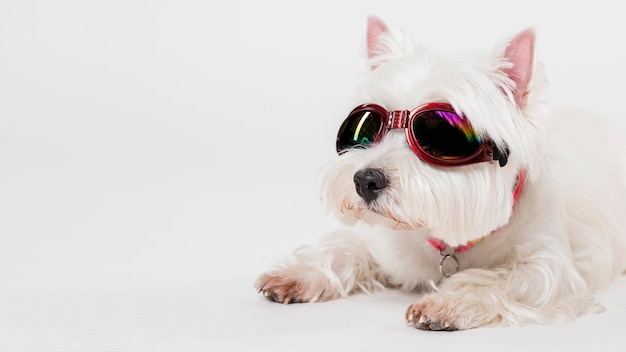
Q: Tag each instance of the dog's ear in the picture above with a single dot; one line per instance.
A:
(520, 53)
(375, 27)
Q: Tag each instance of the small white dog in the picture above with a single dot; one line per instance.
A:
(461, 183)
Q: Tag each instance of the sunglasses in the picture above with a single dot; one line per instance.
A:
(435, 132)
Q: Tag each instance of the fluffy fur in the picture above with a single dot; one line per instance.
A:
(539, 259)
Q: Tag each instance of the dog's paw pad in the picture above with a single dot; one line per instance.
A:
(417, 316)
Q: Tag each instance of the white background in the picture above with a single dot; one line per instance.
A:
(156, 156)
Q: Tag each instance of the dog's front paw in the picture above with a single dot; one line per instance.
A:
(280, 289)
(430, 313)
(286, 289)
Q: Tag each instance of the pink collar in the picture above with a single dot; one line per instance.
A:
(441, 245)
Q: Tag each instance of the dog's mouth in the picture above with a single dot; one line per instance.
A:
(374, 216)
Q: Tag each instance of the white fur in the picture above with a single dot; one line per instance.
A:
(540, 261)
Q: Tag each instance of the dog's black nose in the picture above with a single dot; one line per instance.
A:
(369, 183)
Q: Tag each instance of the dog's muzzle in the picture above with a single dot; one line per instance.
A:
(369, 183)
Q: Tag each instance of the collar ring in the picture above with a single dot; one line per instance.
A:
(449, 265)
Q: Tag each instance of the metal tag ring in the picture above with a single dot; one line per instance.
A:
(447, 257)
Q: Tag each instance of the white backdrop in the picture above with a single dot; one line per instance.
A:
(156, 156)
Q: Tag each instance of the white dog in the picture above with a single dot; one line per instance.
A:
(461, 183)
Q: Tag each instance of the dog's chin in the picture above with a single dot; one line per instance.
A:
(375, 217)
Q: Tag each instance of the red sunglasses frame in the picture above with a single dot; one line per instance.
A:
(402, 119)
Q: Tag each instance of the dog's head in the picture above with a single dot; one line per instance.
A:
(407, 172)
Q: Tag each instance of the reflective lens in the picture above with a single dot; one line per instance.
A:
(360, 129)
(445, 135)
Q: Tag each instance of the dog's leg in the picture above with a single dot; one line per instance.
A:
(335, 267)
(534, 288)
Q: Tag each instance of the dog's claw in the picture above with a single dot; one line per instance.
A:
(266, 293)
(287, 300)
(435, 326)
(422, 319)
(446, 324)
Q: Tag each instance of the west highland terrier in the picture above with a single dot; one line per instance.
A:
(462, 184)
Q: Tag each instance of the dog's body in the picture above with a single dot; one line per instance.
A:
(536, 258)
